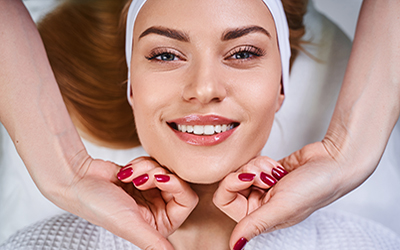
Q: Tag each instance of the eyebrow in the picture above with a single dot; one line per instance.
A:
(239, 32)
(174, 34)
(182, 36)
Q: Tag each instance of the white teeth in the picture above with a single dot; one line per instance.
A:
(223, 129)
(206, 129)
(198, 130)
(209, 130)
(218, 129)
(183, 128)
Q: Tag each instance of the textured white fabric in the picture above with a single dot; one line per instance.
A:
(321, 231)
(274, 6)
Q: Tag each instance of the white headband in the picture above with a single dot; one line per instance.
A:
(274, 6)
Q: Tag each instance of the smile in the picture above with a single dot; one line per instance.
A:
(203, 130)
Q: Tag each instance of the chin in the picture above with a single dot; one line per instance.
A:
(201, 171)
(199, 179)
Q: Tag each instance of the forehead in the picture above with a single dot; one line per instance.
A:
(206, 16)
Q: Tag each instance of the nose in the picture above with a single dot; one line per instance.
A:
(205, 84)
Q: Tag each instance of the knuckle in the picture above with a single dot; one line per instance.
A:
(259, 225)
(156, 245)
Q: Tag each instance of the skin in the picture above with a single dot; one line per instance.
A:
(204, 78)
(205, 74)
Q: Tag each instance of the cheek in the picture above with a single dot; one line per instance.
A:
(260, 99)
(152, 97)
(145, 103)
(260, 95)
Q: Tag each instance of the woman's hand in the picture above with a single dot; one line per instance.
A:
(163, 200)
(315, 180)
(147, 219)
(244, 191)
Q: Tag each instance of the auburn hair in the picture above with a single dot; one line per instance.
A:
(85, 44)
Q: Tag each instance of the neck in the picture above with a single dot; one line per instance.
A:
(206, 227)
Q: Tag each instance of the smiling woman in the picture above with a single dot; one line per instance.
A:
(208, 74)
(95, 96)
(205, 79)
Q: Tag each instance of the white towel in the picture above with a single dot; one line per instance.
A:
(324, 230)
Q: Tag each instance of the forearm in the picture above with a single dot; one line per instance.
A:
(32, 109)
(368, 105)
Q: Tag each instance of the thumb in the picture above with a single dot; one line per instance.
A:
(138, 231)
(273, 215)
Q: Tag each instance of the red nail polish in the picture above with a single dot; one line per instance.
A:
(246, 177)
(267, 179)
(124, 173)
(282, 170)
(278, 173)
(140, 180)
(162, 178)
(240, 244)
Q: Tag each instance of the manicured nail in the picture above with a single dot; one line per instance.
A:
(282, 170)
(279, 172)
(162, 178)
(267, 179)
(140, 180)
(240, 244)
(246, 177)
(124, 173)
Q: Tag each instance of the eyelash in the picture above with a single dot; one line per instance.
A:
(159, 52)
(252, 50)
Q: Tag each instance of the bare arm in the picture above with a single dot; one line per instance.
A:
(365, 114)
(32, 109)
(369, 102)
(33, 112)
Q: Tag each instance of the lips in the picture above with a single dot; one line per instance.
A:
(203, 130)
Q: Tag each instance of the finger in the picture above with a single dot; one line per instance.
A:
(147, 237)
(302, 156)
(287, 203)
(136, 168)
(147, 180)
(118, 212)
(181, 198)
(228, 198)
(141, 173)
(267, 218)
(270, 171)
(255, 199)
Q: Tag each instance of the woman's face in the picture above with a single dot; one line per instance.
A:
(206, 83)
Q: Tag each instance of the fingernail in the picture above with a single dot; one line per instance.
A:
(267, 179)
(282, 170)
(278, 172)
(140, 180)
(240, 244)
(162, 178)
(124, 173)
(246, 177)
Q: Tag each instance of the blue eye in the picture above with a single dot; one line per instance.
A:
(166, 57)
(242, 55)
(245, 52)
